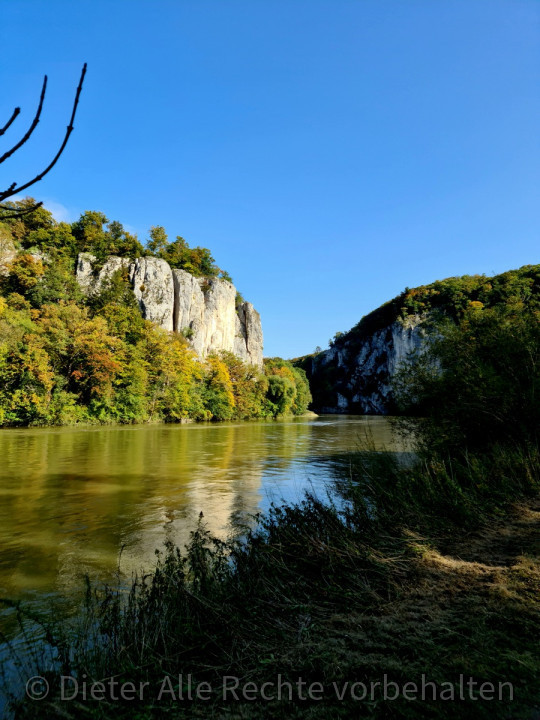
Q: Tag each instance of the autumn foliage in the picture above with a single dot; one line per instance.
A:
(66, 358)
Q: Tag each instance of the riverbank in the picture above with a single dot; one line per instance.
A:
(410, 591)
(323, 598)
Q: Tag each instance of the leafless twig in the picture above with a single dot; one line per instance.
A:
(14, 188)
(11, 119)
(32, 126)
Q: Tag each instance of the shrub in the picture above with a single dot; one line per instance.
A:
(478, 383)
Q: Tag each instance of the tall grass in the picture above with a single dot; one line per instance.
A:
(324, 591)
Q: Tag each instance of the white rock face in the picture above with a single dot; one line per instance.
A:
(248, 343)
(188, 316)
(152, 283)
(8, 253)
(112, 264)
(362, 371)
(203, 309)
(406, 337)
(91, 281)
(85, 272)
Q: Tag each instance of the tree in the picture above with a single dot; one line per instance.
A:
(477, 383)
(89, 232)
(7, 210)
(198, 260)
(159, 240)
(94, 233)
(218, 393)
(249, 387)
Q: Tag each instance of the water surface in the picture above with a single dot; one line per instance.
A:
(83, 501)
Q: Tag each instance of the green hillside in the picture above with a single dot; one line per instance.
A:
(67, 358)
(450, 298)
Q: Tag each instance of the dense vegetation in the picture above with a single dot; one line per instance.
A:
(452, 298)
(424, 567)
(477, 384)
(66, 358)
(38, 231)
(448, 300)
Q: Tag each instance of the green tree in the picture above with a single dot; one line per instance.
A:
(26, 375)
(81, 349)
(281, 394)
(174, 376)
(94, 233)
(288, 387)
(198, 260)
(90, 234)
(121, 242)
(158, 242)
(218, 396)
(25, 271)
(57, 238)
(478, 382)
(249, 387)
(303, 394)
(38, 220)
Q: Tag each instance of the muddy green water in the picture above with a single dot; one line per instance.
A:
(81, 501)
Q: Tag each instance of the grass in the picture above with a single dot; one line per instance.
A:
(421, 570)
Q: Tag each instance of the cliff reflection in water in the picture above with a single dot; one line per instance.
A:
(71, 499)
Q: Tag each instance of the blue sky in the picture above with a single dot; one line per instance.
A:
(329, 153)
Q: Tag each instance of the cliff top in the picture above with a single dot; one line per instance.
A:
(94, 233)
(450, 296)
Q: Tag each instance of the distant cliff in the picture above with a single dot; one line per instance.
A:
(354, 374)
(204, 309)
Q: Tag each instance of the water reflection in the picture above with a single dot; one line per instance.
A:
(71, 499)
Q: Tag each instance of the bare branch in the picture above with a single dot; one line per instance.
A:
(7, 193)
(14, 189)
(11, 119)
(78, 94)
(17, 213)
(32, 126)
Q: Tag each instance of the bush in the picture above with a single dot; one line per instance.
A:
(478, 382)
(288, 387)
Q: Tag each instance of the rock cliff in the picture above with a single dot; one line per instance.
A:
(7, 253)
(354, 375)
(152, 282)
(203, 309)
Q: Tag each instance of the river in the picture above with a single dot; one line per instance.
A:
(78, 501)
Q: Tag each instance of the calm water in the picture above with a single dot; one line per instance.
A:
(74, 501)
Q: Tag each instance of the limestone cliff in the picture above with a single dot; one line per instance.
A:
(354, 375)
(204, 309)
(248, 332)
(152, 282)
(7, 253)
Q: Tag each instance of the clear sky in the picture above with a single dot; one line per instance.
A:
(329, 153)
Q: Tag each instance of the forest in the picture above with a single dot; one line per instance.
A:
(67, 359)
